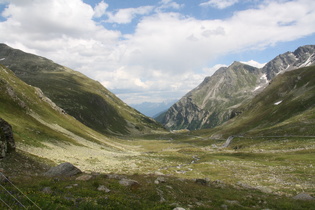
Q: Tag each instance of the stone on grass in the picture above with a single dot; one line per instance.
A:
(232, 202)
(115, 176)
(159, 180)
(103, 188)
(84, 177)
(201, 181)
(178, 208)
(158, 173)
(303, 196)
(47, 190)
(64, 169)
(128, 182)
(264, 189)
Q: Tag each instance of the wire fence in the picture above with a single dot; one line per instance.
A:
(12, 197)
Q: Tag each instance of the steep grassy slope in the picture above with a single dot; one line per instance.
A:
(285, 107)
(211, 103)
(30, 112)
(83, 98)
(43, 129)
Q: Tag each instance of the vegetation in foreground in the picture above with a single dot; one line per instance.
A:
(70, 194)
(193, 173)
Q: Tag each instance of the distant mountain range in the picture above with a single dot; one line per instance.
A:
(215, 100)
(77, 95)
(38, 94)
(153, 109)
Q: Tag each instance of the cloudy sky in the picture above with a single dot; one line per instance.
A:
(151, 50)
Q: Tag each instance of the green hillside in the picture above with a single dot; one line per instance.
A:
(83, 98)
(34, 117)
(285, 107)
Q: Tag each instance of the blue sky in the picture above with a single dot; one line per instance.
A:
(154, 51)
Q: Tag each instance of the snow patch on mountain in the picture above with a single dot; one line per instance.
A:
(309, 61)
(263, 81)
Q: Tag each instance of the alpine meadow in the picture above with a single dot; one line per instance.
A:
(170, 104)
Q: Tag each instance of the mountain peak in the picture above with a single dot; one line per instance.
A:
(301, 57)
(212, 102)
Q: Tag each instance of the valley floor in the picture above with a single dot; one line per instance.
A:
(266, 171)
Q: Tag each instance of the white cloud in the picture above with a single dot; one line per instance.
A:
(168, 4)
(167, 52)
(219, 4)
(254, 63)
(124, 16)
(210, 70)
(100, 9)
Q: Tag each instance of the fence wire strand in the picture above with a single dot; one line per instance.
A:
(19, 191)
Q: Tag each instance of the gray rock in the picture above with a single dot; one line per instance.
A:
(201, 181)
(7, 143)
(115, 176)
(158, 173)
(159, 180)
(178, 208)
(103, 188)
(303, 196)
(264, 189)
(47, 190)
(224, 206)
(260, 188)
(64, 169)
(128, 182)
(232, 202)
(84, 177)
(218, 184)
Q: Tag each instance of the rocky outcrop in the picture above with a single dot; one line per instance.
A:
(7, 143)
(64, 170)
(42, 96)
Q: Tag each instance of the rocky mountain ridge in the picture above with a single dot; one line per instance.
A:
(213, 101)
(284, 108)
(301, 57)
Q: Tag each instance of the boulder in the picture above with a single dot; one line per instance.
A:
(303, 196)
(103, 188)
(159, 180)
(47, 190)
(7, 143)
(129, 182)
(116, 176)
(84, 177)
(64, 169)
(201, 181)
